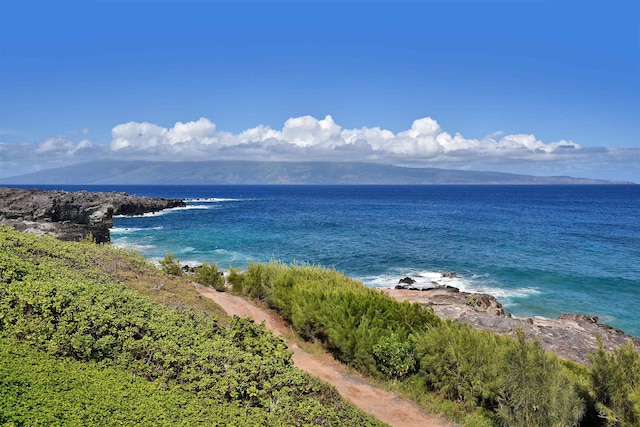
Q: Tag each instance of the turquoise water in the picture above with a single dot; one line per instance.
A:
(542, 250)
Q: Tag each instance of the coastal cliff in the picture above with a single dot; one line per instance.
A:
(73, 215)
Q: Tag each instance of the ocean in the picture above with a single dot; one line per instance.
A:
(541, 250)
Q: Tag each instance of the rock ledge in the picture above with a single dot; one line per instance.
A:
(571, 336)
(73, 215)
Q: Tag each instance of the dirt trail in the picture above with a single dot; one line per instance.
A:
(380, 403)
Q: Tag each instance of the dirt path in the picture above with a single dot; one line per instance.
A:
(380, 403)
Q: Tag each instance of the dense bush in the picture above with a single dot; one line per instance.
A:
(57, 298)
(38, 389)
(515, 380)
(170, 265)
(462, 363)
(209, 275)
(395, 357)
(535, 389)
(616, 384)
(325, 305)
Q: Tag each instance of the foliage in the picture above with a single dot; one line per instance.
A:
(41, 390)
(536, 391)
(67, 303)
(396, 358)
(616, 384)
(60, 301)
(462, 362)
(340, 312)
(209, 275)
(170, 265)
(513, 382)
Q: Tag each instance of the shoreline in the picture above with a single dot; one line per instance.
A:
(570, 336)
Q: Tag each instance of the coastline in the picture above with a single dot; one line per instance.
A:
(571, 336)
(74, 215)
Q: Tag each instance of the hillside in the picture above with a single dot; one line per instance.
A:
(108, 338)
(249, 172)
(95, 335)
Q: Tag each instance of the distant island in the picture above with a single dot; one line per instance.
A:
(108, 172)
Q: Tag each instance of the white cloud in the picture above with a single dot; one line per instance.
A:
(138, 136)
(202, 131)
(307, 131)
(62, 146)
(303, 138)
(309, 138)
(21, 158)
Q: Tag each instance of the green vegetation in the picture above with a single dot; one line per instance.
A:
(488, 379)
(85, 341)
(327, 306)
(616, 382)
(170, 265)
(209, 275)
(96, 335)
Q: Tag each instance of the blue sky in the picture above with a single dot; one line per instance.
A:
(537, 87)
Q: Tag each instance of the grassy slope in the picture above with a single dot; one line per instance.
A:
(95, 335)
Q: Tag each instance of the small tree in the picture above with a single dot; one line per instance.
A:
(209, 275)
(170, 265)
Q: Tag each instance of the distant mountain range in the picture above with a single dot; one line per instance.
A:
(251, 172)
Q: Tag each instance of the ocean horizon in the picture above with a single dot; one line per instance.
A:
(540, 250)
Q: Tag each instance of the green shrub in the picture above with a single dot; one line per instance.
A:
(327, 306)
(41, 390)
(170, 265)
(209, 275)
(462, 362)
(396, 357)
(616, 383)
(536, 390)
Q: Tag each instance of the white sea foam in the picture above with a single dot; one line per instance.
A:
(473, 283)
(129, 230)
(167, 211)
(211, 200)
(123, 243)
(191, 262)
(124, 230)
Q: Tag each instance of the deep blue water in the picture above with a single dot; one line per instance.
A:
(542, 250)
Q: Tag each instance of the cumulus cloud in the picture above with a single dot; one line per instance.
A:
(424, 143)
(306, 138)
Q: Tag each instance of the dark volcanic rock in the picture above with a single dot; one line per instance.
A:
(72, 215)
(406, 281)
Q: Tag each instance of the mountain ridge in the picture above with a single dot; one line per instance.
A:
(240, 172)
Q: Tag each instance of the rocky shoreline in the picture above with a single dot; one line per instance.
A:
(571, 336)
(73, 215)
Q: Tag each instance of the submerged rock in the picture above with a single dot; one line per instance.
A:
(73, 215)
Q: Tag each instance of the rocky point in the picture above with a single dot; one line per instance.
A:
(73, 215)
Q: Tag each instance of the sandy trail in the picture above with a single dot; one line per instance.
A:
(380, 403)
